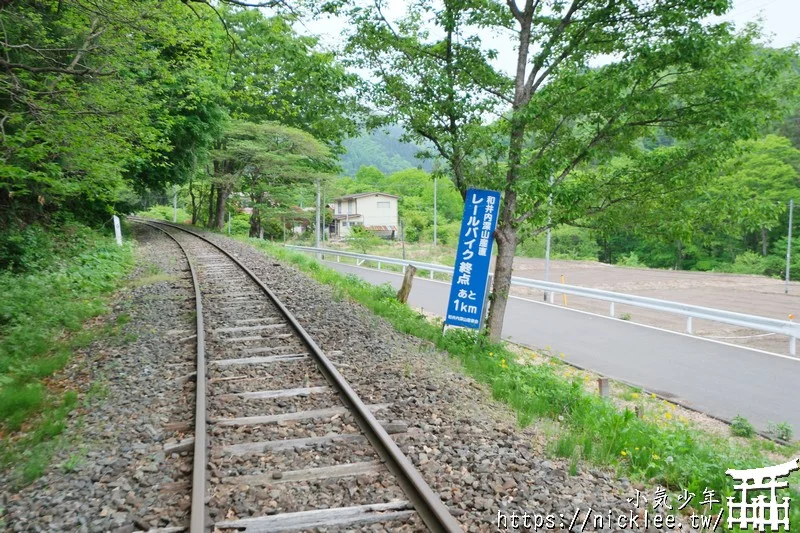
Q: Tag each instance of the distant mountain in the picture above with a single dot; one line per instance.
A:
(381, 149)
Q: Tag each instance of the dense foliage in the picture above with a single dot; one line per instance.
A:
(103, 102)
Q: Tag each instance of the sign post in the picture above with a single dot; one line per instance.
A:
(117, 230)
(474, 253)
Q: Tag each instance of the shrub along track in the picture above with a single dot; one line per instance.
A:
(265, 371)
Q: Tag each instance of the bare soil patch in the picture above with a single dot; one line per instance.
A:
(755, 295)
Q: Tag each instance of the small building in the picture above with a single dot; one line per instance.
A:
(375, 211)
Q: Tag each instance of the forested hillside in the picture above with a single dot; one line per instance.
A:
(383, 150)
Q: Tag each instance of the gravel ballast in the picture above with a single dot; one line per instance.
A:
(467, 447)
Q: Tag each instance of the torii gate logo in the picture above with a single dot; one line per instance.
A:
(758, 512)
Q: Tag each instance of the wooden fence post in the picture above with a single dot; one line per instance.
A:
(408, 279)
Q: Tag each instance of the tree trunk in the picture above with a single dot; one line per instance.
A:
(194, 202)
(679, 258)
(506, 232)
(255, 223)
(506, 236)
(219, 221)
(763, 241)
(210, 206)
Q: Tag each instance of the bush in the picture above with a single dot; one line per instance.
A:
(566, 242)
(741, 427)
(363, 239)
(24, 250)
(166, 213)
(782, 431)
(749, 262)
(630, 260)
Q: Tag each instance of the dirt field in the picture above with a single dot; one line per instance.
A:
(754, 295)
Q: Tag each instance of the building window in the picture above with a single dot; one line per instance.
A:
(383, 205)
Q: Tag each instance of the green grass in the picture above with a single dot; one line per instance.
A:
(658, 450)
(46, 301)
(166, 213)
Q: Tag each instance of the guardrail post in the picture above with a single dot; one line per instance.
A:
(431, 274)
(793, 346)
(379, 265)
(689, 325)
(611, 310)
(338, 258)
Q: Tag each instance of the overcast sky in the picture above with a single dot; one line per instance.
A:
(780, 20)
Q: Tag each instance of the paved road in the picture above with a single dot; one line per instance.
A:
(715, 378)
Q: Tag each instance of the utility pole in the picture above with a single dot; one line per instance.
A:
(547, 245)
(318, 231)
(434, 211)
(789, 248)
(174, 203)
(229, 222)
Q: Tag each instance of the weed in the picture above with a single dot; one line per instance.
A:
(72, 464)
(573, 465)
(97, 390)
(41, 319)
(659, 449)
(741, 427)
(625, 316)
(782, 431)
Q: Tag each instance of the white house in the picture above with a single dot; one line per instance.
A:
(376, 211)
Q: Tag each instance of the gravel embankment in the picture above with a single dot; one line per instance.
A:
(467, 446)
(122, 479)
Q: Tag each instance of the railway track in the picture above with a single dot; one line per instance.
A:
(282, 442)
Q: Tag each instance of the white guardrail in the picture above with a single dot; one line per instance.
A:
(760, 323)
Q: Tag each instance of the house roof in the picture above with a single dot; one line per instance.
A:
(363, 194)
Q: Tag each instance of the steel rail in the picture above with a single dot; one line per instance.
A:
(198, 514)
(427, 504)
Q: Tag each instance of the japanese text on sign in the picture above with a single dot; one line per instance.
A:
(467, 291)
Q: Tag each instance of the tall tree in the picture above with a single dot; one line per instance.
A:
(563, 112)
(266, 161)
(278, 75)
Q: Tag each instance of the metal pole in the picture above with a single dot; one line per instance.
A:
(403, 238)
(229, 222)
(317, 232)
(547, 245)
(174, 203)
(789, 247)
(434, 211)
(283, 223)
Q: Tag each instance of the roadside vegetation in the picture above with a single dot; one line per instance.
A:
(51, 283)
(659, 448)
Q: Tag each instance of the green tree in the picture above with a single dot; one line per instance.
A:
(266, 161)
(278, 75)
(562, 116)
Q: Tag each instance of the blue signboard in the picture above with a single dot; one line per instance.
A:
(465, 307)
